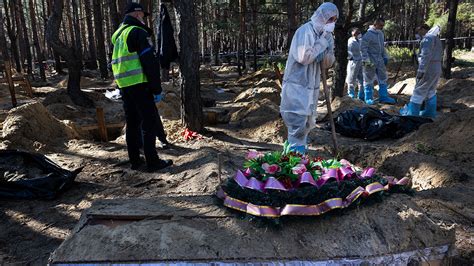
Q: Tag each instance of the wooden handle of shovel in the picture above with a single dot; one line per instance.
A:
(331, 119)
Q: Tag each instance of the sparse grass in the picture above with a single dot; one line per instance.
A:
(398, 54)
(464, 58)
(268, 63)
(422, 148)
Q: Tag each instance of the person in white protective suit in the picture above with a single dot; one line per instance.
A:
(354, 65)
(312, 48)
(375, 58)
(427, 76)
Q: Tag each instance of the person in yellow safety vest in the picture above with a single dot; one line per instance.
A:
(135, 69)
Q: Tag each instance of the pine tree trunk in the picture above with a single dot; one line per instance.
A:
(90, 36)
(99, 35)
(70, 54)
(122, 4)
(451, 29)
(363, 5)
(114, 15)
(12, 36)
(17, 30)
(3, 41)
(291, 7)
(191, 103)
(29, 57)
(84, 45)
(77, 31)
(69, 20)
(57, 63)
(216, 39)
(254, 33)
(203, 31)
(36, 41)
(340, 51)
(57, 58)
(241, 41)
(26, 39)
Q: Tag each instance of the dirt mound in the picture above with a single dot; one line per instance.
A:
(173, 129)
(170, 106)
(224, 69)
(256, 112)
(203, 177)
(456, 94)
(273, 131)
(338, 106)
(258, 94)
(438, 154)
(194, 228)
(86, 82)
(260, 120)
(60, 105)
(410, 86)
(451, 133)
(266, 82)
(408, 90)
(263, 74)
(345, 103)
(59, 96)
(205, 71)
(32, 126)
(65, 111)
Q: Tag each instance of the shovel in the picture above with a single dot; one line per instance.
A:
(331, 119)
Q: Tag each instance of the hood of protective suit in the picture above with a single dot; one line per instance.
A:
(374, 29)
(434, 31)
(322, 15)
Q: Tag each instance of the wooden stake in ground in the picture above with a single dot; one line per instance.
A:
(101, 124)
(278, 74)
(331, 119)
(11, 86)
(401, 89)
(219, 170)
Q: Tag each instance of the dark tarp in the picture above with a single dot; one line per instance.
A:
(372, 124)
(25, 175)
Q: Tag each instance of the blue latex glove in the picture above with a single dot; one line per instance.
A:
(385, 61)
(157, 98)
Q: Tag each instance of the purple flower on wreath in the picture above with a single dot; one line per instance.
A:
(299, 169)
(271, 169)
(304, 161)
(247, 172)
(253, 154)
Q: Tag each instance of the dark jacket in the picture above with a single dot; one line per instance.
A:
(167, 45)
(139, 40)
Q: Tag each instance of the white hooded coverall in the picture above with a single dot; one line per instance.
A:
(429, 59)
(354, 66)
(300, 90)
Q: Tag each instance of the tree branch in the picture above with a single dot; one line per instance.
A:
(371, 16)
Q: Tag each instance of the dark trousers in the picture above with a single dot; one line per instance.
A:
(142, 119)
(160, 131)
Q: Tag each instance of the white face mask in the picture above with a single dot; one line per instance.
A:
(330, 27)
(359, 36)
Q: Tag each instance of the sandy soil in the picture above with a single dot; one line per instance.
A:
(438, 157)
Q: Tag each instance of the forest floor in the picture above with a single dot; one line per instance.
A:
(438, 157)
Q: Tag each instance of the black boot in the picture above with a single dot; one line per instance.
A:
(135, 164)
(158, 165)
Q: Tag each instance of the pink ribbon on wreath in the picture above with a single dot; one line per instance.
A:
(338, 174)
